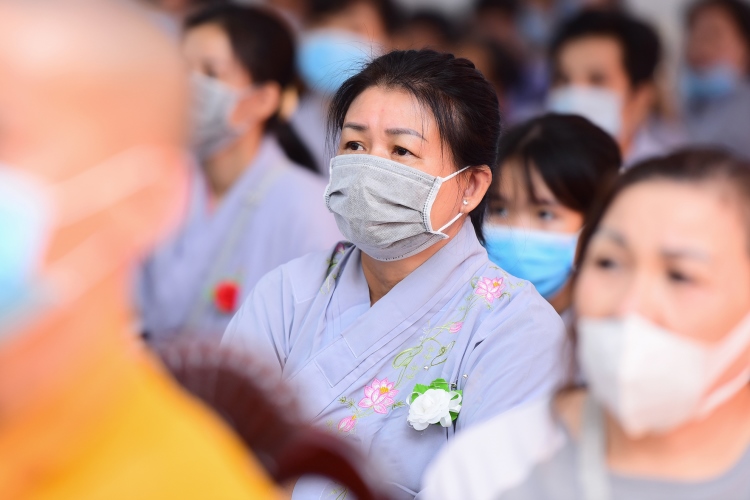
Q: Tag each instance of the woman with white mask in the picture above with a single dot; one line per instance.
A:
(604, 67)
(253, 205)
(715, 82)
(663, 337)
(550, 170)
(407, 334)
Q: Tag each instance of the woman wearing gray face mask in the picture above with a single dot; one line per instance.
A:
(407, 333)
(253, 205)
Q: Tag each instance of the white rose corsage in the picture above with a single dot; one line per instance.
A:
(432, 404)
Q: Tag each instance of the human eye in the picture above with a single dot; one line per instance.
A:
(605, 263)
(399, 151)
(598, 79)
(604, 260)
(353, 146)
(678, 276)
(546, 215)
(500, 211)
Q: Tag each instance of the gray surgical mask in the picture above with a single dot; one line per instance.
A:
(213, 106)
(383, 207)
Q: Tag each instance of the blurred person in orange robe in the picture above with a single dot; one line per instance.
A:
(92, 111)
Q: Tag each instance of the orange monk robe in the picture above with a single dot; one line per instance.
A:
(112, 426)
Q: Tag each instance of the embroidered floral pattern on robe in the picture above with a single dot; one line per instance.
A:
(380, 394)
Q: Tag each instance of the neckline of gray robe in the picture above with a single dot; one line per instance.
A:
(182, 264)
(379, 332)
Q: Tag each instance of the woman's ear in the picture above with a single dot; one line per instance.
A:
(478, 181)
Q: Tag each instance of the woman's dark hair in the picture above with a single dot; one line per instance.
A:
(737, 11)
(461, 100)
(319, 9)
(641, 48)
(256, 34)
(573, 156)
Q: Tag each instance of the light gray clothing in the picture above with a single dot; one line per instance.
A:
(655, 138)
(528, 454)
(724, 122)
(274, 213)
(309, 122)
(457, 317)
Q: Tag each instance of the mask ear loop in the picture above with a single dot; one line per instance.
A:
(431, 201)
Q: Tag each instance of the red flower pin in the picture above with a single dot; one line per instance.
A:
(225, 296)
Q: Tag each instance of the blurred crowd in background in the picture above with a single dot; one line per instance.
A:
(673, 72)
(189, 148)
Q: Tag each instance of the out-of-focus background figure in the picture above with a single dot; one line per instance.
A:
(714, 83)
(605, 69)
(93, 105)
(549, 171)
(255, 202)
(338, 38)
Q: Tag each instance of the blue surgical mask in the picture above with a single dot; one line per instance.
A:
(542, 257)
(327, 58)
(716, 82)
(24, 227)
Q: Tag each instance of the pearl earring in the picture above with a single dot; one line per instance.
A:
(466, 202)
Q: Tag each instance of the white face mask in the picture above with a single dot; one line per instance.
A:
(601, 107)
(384, 207)
(653, 380)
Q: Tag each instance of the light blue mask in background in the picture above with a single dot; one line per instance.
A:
(716, 82)
(544, 258)
(24, 228)
(327, 58)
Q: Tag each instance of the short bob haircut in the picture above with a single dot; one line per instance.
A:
(462, 101)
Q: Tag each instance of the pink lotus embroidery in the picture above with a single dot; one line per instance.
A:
(490, 289)
(378, 395)
(348, 423)
(456, 327)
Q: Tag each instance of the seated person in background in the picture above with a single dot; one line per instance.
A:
(93, 104)
(499, 65)
(604, 69)
(413, 300)
(662, 297)
(425, 29)
(550, 171)
(252, 208)
(338, 39)
(716, 79)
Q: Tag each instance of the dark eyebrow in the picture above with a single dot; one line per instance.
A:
(404, 131)
(355, 126)
(544, 202)
(391, 131)
(493, 196)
